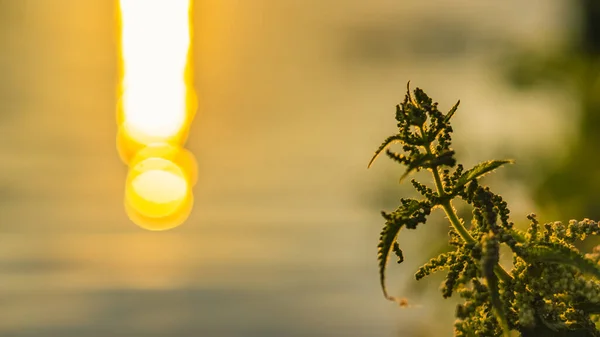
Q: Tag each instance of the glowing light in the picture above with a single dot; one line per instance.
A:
(181, 157)
(158, 190)
(155, 43)
(156, 107)
(157, 186)
(160, 187)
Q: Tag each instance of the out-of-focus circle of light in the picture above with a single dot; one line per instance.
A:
(156, 189)
(181, 157)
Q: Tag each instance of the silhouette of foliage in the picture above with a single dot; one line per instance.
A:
(552, 289)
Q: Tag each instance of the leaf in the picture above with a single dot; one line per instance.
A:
(556, 253)
(386, 241)
(387, 142)
(410, 98)
(394, 223)
(451, 112)
(479, 170)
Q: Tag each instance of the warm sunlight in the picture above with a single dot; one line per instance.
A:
(157, 189)
(154, 43)
(155, 109)
(161, 188)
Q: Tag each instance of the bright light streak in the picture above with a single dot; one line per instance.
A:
(155, 110)
(155, 42)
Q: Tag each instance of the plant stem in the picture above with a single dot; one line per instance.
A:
(457, 223)
(454, 220)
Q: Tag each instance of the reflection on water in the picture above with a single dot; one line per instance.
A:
(156, 107)
(282, 238)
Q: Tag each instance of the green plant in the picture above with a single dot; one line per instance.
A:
(552, 288)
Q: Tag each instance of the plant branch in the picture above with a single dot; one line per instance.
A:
(457, 224)
(546, 267)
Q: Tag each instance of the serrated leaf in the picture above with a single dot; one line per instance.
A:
(451, 112)
(386, 241)
(479, 170)
(556, 253)
(387, 142)
(394, 223)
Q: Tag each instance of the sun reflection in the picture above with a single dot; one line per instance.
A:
(156, 107)
(157, 186)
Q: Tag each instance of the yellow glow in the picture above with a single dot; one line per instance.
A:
(160, 187)
(181, 157)
(157, 190)
(156, 107)
(155, 41)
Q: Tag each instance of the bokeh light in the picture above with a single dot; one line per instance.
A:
(155, 109)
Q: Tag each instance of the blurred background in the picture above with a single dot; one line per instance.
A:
(294, 97)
